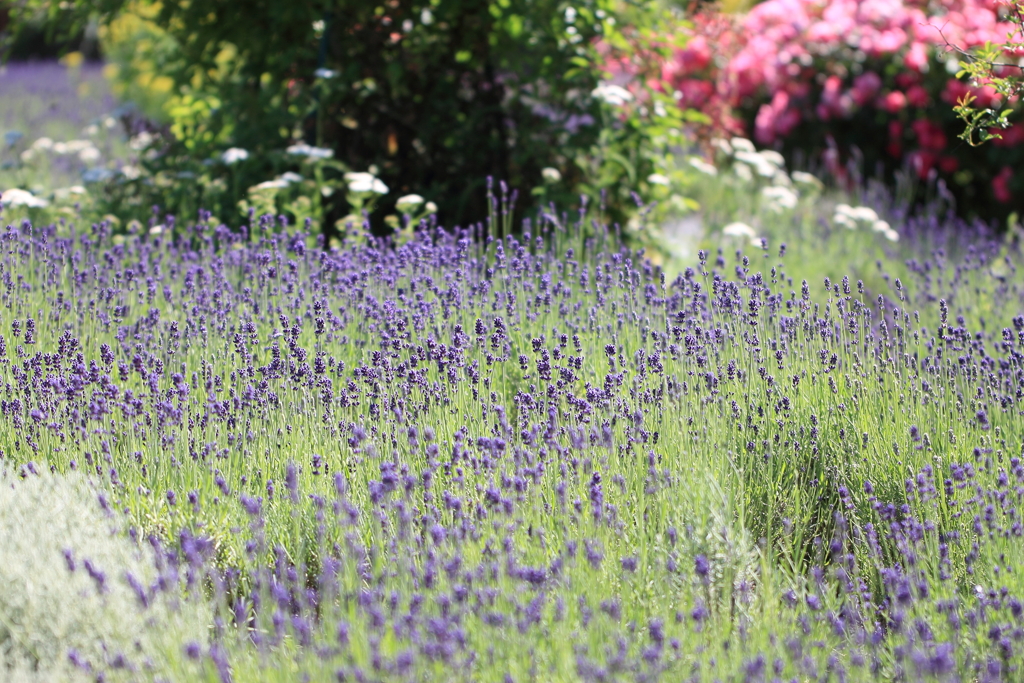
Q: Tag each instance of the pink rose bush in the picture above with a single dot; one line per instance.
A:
(823, 77)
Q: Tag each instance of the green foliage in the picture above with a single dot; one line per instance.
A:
(987, 66)
(431, 97)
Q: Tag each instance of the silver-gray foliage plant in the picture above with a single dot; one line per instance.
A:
(53, 604)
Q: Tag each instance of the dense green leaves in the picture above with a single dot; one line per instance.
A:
(433, 97)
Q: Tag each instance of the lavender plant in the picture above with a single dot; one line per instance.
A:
(540, 457)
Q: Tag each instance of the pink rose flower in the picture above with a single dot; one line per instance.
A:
(865, 87)
(917, 57)
(929, 134)
(893, 102)
(775, 120)
(917, 96)
(1001, 185)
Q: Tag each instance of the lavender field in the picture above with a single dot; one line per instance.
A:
(231, 456)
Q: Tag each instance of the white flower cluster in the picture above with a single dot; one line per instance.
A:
(743, 231)
(411, 203)
(17, 197)
(615, 95)
(85, 150)
(303, 150)
(851, 218)
(234, 155)
(779, 191)
(365, 184)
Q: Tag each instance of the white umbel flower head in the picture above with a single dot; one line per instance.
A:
(742, 145)
(864, 214)
(743, 172)
(722, 146)
(89, 155)
(551, 175)
(18, 197)
(658, 179)
(757, 163)
(702, 166)
(779, 199)
(807, 180)
(234, 155)
(738, 229)
(852, 217)
(365, 183)
(614, 95)
(275, 184)
(773, 157)
(137, 143)
(409, 203)
(310, 152)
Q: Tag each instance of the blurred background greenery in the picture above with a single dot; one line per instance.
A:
(353, 115)
(433, 98)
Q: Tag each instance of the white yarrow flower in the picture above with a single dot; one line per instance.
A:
(18, 197)
(743, 172)
(614, 95)
(756, 162)
(658, 179)
(139, 142)
(780, 198)
(723, 146)
(365, 183)
(290, 177)
(864, 214)
(702, 166)
(409, 203)
(234, 155)
(303, 150)
(742, 145)
(773, 157)
(325, 73)
(807, 180)
(89, 155)
(738, 229)
(892, 235)
(275, 184)
(551, 175)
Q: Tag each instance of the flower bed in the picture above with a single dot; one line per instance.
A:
(529, 459)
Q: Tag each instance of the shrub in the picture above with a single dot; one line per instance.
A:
(985, 65)
(72, 587)
(820, 79)
(432, 98)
